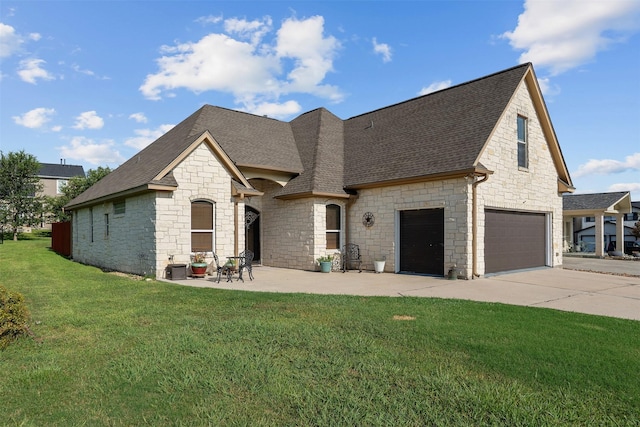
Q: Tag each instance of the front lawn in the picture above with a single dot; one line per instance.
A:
(114, 351)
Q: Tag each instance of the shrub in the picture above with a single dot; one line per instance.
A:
(13, 316)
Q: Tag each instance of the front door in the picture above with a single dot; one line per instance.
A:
(252, 232)
(422, 241)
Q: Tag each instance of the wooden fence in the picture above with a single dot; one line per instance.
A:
(61, 238)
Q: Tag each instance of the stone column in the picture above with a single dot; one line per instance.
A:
(599, 235)
(620, 232)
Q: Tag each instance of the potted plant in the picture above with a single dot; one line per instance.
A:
(199, 264)
(325, 263)
(453, 272)
(378, 264)
(230, 264)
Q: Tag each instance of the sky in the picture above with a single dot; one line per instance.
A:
(93, 82)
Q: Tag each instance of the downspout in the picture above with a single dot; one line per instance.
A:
(474, 220)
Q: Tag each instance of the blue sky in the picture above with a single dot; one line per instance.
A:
(93, 82)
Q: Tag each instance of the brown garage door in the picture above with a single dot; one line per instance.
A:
(514, 240)
(422, 241)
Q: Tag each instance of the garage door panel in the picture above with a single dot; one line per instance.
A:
(514, 240)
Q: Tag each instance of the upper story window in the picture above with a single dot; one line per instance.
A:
(120, 207)
(202, 228)
(523, 157)
(334, 227)
(60, 184)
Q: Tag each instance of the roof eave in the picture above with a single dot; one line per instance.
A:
(308, 194)
(127, 193)
(423, 178)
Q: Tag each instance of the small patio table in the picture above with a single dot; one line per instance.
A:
(228, 271)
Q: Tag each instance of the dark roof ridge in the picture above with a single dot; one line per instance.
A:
(263, 116)
(527, 64)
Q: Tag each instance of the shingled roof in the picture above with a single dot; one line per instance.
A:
(438, 134)
(59, 170)
(247, 139)
(597, 202)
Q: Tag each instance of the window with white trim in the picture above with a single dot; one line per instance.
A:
(334, 226)
(202, 226)
(523, 156)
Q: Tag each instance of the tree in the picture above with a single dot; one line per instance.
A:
(19, 188)
(76, 186)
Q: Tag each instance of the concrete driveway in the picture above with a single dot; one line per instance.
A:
(568, 289)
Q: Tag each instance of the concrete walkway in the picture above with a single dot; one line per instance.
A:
(568, 289)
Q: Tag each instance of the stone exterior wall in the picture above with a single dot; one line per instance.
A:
(200, 176)
(534, 189)
(128, 246)
(156, 228)
(288, 229)
(380, 240)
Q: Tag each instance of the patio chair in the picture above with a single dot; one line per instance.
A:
(246, 262)
(351, 257)
(217, 267)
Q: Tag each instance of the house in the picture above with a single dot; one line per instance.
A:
(592, 221)
(471, 175)
(53, 177)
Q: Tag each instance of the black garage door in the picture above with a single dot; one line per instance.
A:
(422, 241)
(514, 240)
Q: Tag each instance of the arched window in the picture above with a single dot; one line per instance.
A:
(334, 227)
(202, 226)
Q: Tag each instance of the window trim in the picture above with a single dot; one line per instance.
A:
(523, 144)
(203, 230)
(339, 231)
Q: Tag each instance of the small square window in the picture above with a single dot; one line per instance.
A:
(119, 208)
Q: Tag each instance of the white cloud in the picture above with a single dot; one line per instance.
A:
(296, 60)
(9, 41)
(30, 70)
(209, 19)
(35, 118)
(561, 35)
(608, 166)
(249, 30)
(273, 110)
(145, 137)
(35, 36)
(86, 150)
(304, 42)
(382, 49)
(435, 86)
(628, 186)
(139, 117)
(89, 120)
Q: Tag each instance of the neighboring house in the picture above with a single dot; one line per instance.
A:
(611, 216)
(53, 177)
(471, 175)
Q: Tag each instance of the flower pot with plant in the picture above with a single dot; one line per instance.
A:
(199, 264)
(325, 263)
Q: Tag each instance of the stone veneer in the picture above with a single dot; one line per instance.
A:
(157, 225)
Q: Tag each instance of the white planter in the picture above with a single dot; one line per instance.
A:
(378, 266)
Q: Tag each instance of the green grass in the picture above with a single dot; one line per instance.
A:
(116, 351)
